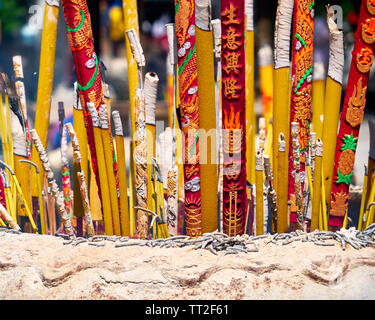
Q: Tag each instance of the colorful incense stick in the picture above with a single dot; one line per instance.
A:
(352, 112)
(234, 118)
(301, 97)
(188, 96)
(86, 64)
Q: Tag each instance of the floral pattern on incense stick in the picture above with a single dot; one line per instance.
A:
(352, 112)
(301, 96)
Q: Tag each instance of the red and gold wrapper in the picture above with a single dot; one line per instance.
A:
(352, 112)
(79, 31)
(234, 117)
(301, 95)
(188, 94)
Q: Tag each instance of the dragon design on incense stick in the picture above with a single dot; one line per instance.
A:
(188, 93)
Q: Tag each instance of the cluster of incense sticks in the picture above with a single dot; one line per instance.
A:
(217, 165)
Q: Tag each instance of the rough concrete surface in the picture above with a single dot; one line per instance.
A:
(43, 267)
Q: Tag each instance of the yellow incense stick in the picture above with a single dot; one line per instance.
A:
(45, 81)
(3, 132)
(316, 191)
(80, 130)
(259, 193)
(123, 184)
(131, 22)
(207, 118)
(103, 176)
(250, 110)
(108, 155)
(281, 115)
(131, 194)
(265, 55)
(363, 200)
(318, 93)
(323, 202)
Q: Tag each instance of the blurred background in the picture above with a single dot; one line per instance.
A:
(21, 28)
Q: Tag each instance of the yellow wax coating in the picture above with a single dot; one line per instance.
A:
(131, 22)
(266, 88)
(207, 122)
(3, 133)
(330, 124)
(123, 185)
(151, 145)
(363, 201)
(23, 174)
(170, 99)
(24, 199)
(323, 202)
(259, 202)
(318, 92)
(281, 115)
(95, 203)
(131, 193)
(45, 82)
(108, 155)
(103, 177)
(250, 110)
(316, 193)
(80, 130)
(370, 170)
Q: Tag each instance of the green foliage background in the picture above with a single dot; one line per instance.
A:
(13, 14)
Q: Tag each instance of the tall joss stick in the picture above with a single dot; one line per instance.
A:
(207, 114)
(249, 90)
(234, 117)
(123, 184)
(316, 197)
(109, 163)
(86, 64)
(266, 67)
(151, 91)
(301, 95)
(188, 96)
(78, 123)
(65, 172)
(332, 101)
(371, 156)
(139, 137)
(103, 175)
(45, 80)
(281, 107)
(259, 184)
(352, 113)
(173, 172)
(216, 29)
(318, 94)
(131, 22)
